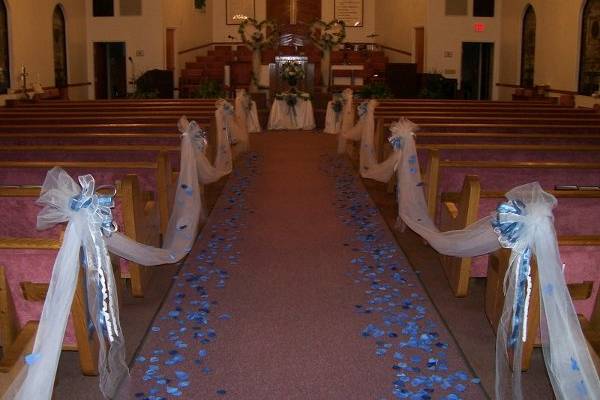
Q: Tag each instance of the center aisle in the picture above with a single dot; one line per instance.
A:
(297, 290)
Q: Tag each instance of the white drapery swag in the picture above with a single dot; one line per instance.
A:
(366, 119)
(347, 119)
(85, 229)
(187, 208)
(528, 230)
(246, 111)
(339, 122)
(227, 121)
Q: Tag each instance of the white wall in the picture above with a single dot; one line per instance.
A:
(221, 30)
(31, 43)
(192, 28)
(558, 35)
(143, 33)
(444, 36)
(396, 22)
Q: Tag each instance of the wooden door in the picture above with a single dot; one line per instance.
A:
(420, 49)
(170, 62)
(100, 71)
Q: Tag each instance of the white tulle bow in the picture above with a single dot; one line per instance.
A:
(89, 222)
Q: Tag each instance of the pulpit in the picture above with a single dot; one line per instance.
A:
(277, 84)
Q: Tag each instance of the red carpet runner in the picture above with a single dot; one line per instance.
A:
(297, 290)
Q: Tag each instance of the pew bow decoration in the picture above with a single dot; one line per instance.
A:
(399, 132)
(89, 222)
(525, 225)
(362, 109)
(197, 135)
(338, 106)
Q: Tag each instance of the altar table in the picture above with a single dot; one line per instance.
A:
(301, 116)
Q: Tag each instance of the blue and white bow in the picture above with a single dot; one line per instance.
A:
(525, 224)
(90, 221)
(362, 109)
(197, 135)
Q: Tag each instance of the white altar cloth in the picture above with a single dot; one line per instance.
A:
(282, 116)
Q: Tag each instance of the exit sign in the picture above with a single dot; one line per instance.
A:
(479, 27)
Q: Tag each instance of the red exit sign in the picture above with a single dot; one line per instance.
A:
(479, 27)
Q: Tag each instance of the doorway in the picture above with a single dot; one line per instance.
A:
(110, 70)
(477, 70)
(170, 49)
(420, 49)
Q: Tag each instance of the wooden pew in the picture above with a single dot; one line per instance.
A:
(139, 219)
(494, 298)
(16, 338)
(462, 209)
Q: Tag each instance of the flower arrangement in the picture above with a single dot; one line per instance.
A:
(292, 72)
(328, 35)
(256, 35)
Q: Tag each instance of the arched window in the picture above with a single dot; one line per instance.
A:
(528, 48)
(4, 55)
(60, 47)
(589, 63)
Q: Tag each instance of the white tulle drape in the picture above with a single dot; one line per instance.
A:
(84, 233)
(347, 119)
(530, 233)
(226, 120)
(90, 228)
(187, 207)
(354, 132)
(246, 111)
(336, 122)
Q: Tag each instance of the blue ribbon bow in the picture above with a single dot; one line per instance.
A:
(98, 205)
(510, 230)
(397, 142)
(362, 109)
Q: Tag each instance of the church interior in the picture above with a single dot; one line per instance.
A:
(299, 199)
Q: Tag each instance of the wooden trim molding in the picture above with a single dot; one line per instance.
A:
(203, 46)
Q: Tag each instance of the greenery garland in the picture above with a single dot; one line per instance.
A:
(324, 36)
(292, 96)
(257, 40)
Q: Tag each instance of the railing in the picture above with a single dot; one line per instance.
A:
(546, 88)
(203, 46)
(68, 85)
(404, 52)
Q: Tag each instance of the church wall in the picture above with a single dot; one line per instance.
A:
(31, 45)
(558, 35)
(143, 35)
(192, 28)
(395, 23)
(444, 36)
(221, 30)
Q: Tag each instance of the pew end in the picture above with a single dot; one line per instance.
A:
(12, 365)
(498, 264)
(141, 222)
(458, 216)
